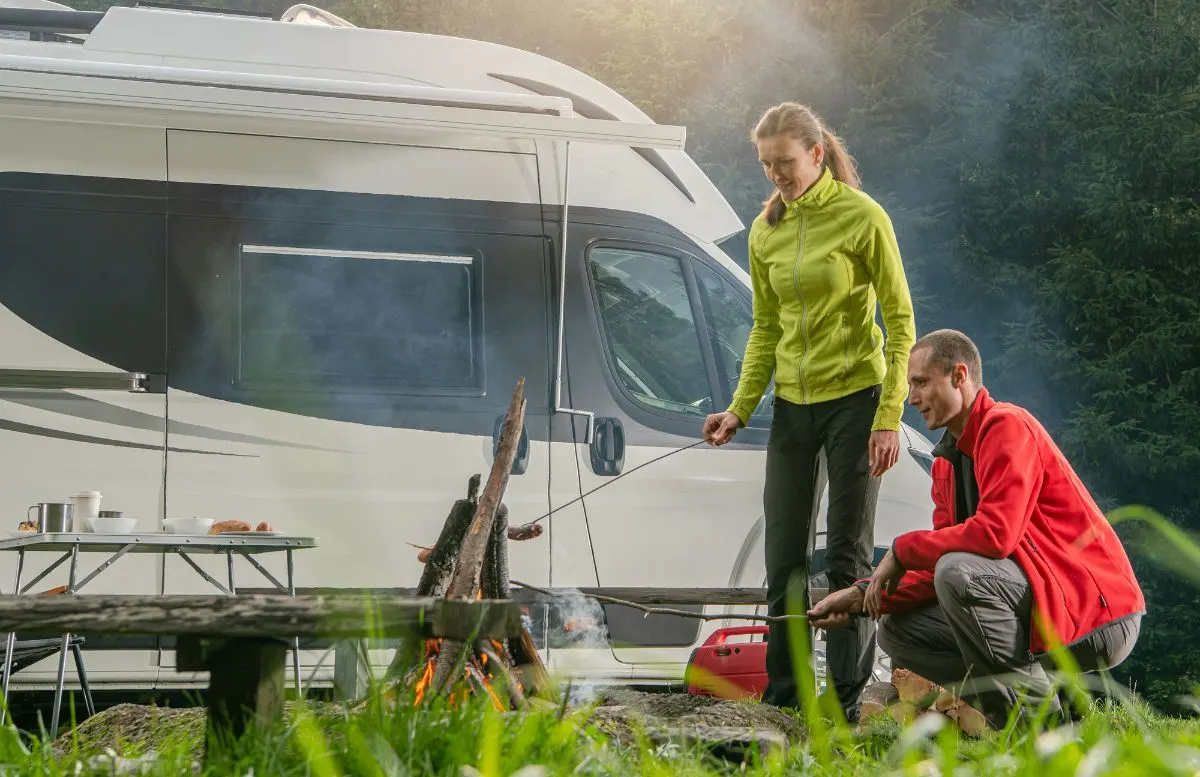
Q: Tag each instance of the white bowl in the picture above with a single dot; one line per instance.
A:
(188, 525)
(112, 524)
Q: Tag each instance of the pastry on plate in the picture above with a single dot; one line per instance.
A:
(232, 525)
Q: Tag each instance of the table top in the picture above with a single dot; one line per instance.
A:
(156, 542)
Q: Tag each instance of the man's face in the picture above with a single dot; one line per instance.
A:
(932, 391)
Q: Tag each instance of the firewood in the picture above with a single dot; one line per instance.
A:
(970, 720)
(493, 575)
(464, 583)
(439, 565)
(945, 701)
(465, 580)
(914, 688)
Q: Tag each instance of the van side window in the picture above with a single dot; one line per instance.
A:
(649, 329)
(730, 319)
(362, 320)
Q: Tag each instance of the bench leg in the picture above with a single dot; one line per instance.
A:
(245, 685)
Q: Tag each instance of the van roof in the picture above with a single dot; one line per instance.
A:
(307, 42)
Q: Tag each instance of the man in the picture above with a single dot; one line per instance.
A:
(1019, 559)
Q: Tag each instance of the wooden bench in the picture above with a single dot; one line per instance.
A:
(348, 665)
(242, 641)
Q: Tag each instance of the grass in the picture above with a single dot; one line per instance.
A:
(1115, 736)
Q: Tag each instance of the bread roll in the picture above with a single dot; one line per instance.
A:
(224, 526)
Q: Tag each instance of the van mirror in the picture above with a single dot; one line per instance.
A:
(521, 460)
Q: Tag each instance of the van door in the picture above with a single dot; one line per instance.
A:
(82, 269)
(656, 338)
(341, 361)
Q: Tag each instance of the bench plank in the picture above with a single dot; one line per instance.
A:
(265, 616)
(750, 597)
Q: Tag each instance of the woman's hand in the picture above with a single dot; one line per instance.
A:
(884, 451)
(719, 428)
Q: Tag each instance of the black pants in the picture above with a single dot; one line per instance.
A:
(842, 427)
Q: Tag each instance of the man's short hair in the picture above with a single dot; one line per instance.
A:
(948, 347)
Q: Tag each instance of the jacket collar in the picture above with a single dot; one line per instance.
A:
(817, 194)
(979, 408)
(949, 446)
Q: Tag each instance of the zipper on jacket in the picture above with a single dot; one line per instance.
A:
(800, 235)
(845, 346)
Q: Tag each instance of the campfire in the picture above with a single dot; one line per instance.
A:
(470, 561)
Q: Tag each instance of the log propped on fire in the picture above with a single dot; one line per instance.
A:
(470, 561)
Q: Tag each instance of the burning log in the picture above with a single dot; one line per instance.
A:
(439, 565)
(470, 561)
(464, 583)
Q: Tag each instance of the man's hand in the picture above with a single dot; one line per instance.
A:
(719, 428)
(886, 576)
(834, 611)
(883, 451)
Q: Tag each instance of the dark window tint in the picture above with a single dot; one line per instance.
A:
(357, 319)
(730, 319)
(650, 330)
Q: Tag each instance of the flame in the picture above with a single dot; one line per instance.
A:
(432, 647)
(476, 675)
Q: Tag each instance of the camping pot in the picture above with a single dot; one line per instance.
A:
(52, 516)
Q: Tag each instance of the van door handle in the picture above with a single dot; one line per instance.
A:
(608, 447)
(521, 460)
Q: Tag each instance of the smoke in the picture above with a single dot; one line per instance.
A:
(356, 307)
(577, 622)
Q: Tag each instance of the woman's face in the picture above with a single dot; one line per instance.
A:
(788, 165)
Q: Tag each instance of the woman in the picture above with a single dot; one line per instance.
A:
(822, 253)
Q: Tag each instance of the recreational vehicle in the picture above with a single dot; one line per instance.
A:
(291, 270)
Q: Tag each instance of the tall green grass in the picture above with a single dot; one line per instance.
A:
(1117, 735)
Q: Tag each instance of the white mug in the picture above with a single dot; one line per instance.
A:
(84, 507)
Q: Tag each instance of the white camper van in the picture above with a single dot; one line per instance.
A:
(289, 270)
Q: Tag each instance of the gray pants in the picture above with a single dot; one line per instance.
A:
(975, 638)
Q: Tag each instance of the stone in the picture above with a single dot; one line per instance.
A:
(875, 700)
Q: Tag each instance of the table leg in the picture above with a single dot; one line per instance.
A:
(291, 572)
(229, 556)
(11, 644)
(58, 685)
(74, 569)
(62, 652)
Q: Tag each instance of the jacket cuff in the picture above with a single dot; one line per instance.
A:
(896, 554)
(739, 408)
(887, 419)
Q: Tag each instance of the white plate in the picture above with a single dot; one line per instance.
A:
(248, 534)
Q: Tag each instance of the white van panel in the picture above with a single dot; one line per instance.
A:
(368, 168)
